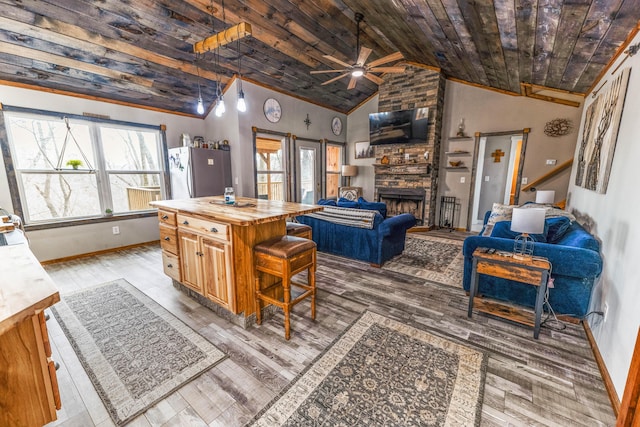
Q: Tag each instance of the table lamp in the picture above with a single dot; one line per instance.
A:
(526, 221)
(349, 171)
(545, 197)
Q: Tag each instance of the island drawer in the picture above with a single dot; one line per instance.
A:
(208, 228)
(171, 266)
(166, 217)
(169, 239)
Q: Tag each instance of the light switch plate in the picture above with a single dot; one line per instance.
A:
(486, 178)
(210, 162)
(462, 180)
(525, 180)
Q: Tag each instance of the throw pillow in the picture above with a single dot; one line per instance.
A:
(327, 202)
(346, 203)
(557, 226)
(499, 212)
(373, 206)
(503, 229)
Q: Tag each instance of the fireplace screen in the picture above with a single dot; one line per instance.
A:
(404, 200)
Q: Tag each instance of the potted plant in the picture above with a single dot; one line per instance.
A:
(108, 212)
(74, 163)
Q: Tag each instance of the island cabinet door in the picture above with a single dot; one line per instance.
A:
(190, 259)
(217, 275)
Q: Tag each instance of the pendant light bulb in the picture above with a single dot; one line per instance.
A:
(200, 107)
(220, 108)
(242, 105)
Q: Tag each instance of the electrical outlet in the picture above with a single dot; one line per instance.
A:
(210, 162)
(525, 180)
(605, 311)
(116, 230)
(462, 180)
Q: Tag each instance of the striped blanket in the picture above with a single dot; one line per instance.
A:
(360, 218)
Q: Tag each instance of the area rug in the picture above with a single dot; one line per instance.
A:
(431, 258)
(381, 372)
(134, 351)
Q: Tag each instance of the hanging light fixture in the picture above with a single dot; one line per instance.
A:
(242, 105)
(200, 106)
(220, 108)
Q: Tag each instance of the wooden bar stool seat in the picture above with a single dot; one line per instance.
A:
(299, 230)
(284, 257)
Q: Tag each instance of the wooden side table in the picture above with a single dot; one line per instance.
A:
(502, 264)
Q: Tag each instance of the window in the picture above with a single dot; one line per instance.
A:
(69, 168)
(334, 163)
(269, 169)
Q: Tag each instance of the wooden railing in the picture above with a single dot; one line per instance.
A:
(532, 185)
(139, 197)
(274, 190)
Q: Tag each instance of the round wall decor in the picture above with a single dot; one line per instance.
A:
(272, 110)
(558, 127)
(336, 126)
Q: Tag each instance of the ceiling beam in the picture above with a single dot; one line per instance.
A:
(222, 38)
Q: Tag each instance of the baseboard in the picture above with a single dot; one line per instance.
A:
(608, 384)
(104, 251)
(419, 229)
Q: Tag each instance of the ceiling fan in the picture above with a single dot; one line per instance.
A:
(359, 68)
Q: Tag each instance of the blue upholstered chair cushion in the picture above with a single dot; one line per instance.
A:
(327, 202)
(373, 206)
(503, 229)
(346, 203)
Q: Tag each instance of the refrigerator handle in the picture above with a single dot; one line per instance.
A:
(189, 176)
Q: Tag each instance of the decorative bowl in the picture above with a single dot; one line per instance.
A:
(455, 163)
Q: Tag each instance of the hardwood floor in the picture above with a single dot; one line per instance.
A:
(551, 381)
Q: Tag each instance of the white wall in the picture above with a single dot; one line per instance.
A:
(490, 111)
(615, 220)
(357, 131)
(236, 127)
(69, 241)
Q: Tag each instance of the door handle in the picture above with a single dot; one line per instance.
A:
(165, 216)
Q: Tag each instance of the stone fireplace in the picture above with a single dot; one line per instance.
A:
(404, 200)
(406, 175)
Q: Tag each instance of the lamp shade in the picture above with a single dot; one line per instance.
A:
(530, 221)
(545, 196)
(349, 170)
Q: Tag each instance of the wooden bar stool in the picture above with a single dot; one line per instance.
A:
(299, 230)
(283, 257)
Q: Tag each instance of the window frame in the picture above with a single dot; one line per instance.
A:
(102, 173)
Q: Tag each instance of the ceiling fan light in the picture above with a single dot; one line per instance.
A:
(357, 72)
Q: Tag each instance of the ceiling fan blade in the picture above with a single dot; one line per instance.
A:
(364, 54)
(393, 57)
(387, 69)
(337, 61)
(326, 71)
(377, 80)
(352, 82)
(335, 78)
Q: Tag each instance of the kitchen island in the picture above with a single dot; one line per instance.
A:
(207, 247)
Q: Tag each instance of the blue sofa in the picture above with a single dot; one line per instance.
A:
(576, 263)
(376, 245)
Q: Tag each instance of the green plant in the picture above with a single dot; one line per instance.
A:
(108, 211)
(74, 163)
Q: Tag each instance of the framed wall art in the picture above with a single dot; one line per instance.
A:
(364, 150)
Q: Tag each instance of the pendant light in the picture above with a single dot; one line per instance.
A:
(220, 108)
(242, 105)
(200, 106)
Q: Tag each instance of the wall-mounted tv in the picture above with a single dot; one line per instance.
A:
(399, 127)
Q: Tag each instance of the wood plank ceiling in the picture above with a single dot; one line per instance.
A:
(140, 51)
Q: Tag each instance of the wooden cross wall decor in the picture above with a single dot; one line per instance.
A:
(497, 155)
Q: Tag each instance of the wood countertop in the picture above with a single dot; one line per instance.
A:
(245, 212)
(25, 287)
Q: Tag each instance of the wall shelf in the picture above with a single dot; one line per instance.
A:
(460, 138)
(456, 167)
(457, 153)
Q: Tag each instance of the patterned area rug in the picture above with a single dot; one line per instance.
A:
(381, 372)
(431, 258)
(134, 351)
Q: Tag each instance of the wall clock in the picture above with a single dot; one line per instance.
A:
(336, 126)
(272, 110)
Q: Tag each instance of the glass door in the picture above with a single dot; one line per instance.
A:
(270, 169)
(334, 155)
(308, 177)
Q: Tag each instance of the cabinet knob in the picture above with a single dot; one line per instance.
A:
(214, 230)
(165, 216)
(167, 238)
(201, 254)
(185, 222)
(169, 265)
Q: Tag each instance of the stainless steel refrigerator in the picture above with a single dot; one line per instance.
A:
(198, 172)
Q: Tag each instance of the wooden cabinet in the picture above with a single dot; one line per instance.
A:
(205, 259)
(29, 393)
(169, 244)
